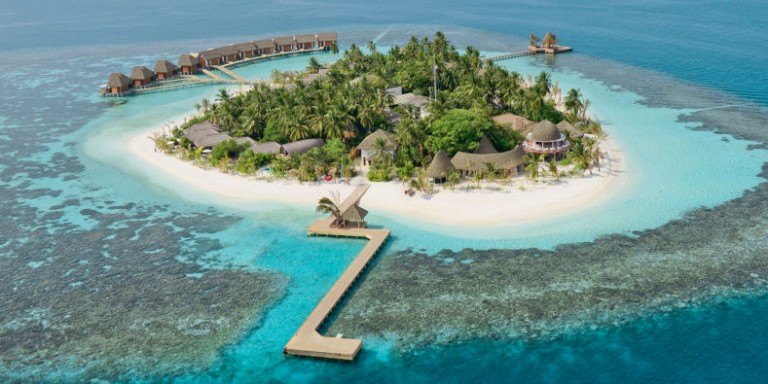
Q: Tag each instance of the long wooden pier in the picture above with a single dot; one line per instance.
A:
(232, 74)
(307, 341)
(530, 51)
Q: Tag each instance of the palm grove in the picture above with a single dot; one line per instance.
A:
(351, 102)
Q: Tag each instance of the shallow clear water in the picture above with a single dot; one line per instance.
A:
(60, 157)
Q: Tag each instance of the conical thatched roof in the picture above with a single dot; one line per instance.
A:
(142, 73)
(565, 126)
(118, 80)
(187, 60)
(545, 130)
(485, 147)
(440, 166)
(164, 66)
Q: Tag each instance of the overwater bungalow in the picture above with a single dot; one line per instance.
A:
(228, 53)
(285, 43)
(118, 84)
(302, 146)
(264, 47)
(246, 50)
(326, 39)
(165, 69)
(142, 76)
(368, 147)
(210, 58)
(306, 41)
(440, 168)
(188, 65)
(546, 139)
(508, 163)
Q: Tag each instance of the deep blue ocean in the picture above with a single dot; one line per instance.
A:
(81, 230)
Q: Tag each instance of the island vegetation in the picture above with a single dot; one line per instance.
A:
(351, 100)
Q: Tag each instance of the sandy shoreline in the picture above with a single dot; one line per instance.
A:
(521, 202)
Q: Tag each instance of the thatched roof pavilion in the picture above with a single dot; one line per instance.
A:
(188, 64)
(509, 162)
(440, 167)
(350, 210)
(369, 143)
(165, 69)
(301, 146)
(268, 147)
(485, 147)
(142, 75)
(565, 126)
(546, 139)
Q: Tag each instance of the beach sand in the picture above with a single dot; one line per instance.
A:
(493, 204)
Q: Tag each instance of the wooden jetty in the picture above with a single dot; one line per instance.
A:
(307, 341)
(232, 74)
(530, 51)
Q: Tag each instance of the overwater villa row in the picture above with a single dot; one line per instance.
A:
(190, 64)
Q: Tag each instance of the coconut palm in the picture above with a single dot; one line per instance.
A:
(330, 205)
(532, 162)
(314, 65)
(534, 40)
(552, 168)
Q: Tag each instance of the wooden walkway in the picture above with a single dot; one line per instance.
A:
(528, 52)
(232, 74)
(307, 341)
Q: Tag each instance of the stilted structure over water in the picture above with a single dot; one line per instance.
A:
(307, 341)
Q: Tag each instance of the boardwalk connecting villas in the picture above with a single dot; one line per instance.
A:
(307, 341)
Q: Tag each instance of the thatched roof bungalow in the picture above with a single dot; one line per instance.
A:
(142, 76)
(368, 146)
(210, 58)
(326, 39)
(228, 53)
(509, 162)
(440, 168)
(285, 43)
(118, 84)
(485, 147)
(205, 135)
(306, 41)
(301, 146)
(246, 50)
(268, 147)
(264, 47)
(565, 126)
(514, 122)
(188, 64)
(165, 69)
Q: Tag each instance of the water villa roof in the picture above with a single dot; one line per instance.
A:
(268, 147)
(186, 60)
(228, 50)
(305, 38)
(265, 43)
(211, 54)
(476, 162)
(165, 66)
(565, 126)
(440, 167)
(515, 122)
(284, 40)
(485, 147)
(142, 73)
(302, 146)
(326, 36)
(369, 143)
(544, 131)
(245, 47)
(411, 99)
(118, 80)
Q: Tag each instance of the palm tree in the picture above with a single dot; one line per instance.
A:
(534, 40)
(552, 167)
(223, 95)
(330, 205)
(532, 165)
(314, 65)
(573, 104)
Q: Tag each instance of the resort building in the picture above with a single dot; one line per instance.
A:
(205, 135)
(209, 58)
(546, 139)
(228, 53)
(508, 163)
(440, 168)
(305, 41)
(142, 76)
(513, 122)
(485, 147)
(350, 212)
(165, 69)
(270, 147)
(264, 47)
(118, 84)
(368, 147)
(326, 39)
(285, 43)
(302, 146)
(566, 127)
(245, 50)
(188, 65)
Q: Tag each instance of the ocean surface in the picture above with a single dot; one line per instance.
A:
(680, 86)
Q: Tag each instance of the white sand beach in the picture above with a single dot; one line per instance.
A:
(493, 204)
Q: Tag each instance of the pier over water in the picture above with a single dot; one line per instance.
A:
(307, 341)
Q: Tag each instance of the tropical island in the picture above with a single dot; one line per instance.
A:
(422, 113)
